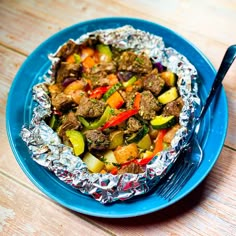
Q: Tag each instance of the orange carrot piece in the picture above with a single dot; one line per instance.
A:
(70, 59)
(88, 62)
(137, 101)
(115, 100)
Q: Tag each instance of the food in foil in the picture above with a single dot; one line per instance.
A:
(114, 113)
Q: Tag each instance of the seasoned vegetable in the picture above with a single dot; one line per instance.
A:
(105, 53)
(163, 122)
(168, 96)
(169, 77)
(145, 142)
(126, 153)
(93, 163)
(110, 160)
(139, 135)
(98, 123)
(77, 140)
(120, 118)
(116, 139)
(112, 90)
(116, 108)
(115, 100)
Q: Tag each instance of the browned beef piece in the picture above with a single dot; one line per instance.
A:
(99, 79)
(129, 100)
(68, 70)
(148, 105)
(131, 168)
(96, 140)
(109, 67)
(67, 49)
(129, 61)
(98, 74)
(90, 108)
(173, 108)
(153, 82)
(70, 122)
(133, 125)
(62, 101)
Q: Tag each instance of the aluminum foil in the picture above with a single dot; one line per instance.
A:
(48, 151)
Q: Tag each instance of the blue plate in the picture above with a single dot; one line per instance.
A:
(20, 104)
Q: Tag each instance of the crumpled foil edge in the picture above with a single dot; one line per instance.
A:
(48, 151)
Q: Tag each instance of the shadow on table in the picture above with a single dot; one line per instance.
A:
(170, 213)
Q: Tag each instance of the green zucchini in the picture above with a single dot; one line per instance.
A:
(163, 122)
(139, 135)
(145, 142)
(111, 90)
(168, 96)
(130, 82)
(105, 52)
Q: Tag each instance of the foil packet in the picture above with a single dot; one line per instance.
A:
(48, 151)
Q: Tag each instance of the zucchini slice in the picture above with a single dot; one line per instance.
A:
(168, 96)
(145, 142)
(139, 135)
(163, 122)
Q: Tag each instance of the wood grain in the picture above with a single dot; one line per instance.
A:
(209, 210)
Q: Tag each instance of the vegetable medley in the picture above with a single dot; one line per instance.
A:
(115, 108)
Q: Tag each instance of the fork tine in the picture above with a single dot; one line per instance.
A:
(181, 172)
(183, 179)
(166, 180)
(168, 185)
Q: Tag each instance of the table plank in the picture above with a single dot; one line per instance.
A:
(27, 213)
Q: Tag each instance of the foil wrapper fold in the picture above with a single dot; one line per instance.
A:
(48, 151)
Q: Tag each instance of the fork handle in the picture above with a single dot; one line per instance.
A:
(224, 67)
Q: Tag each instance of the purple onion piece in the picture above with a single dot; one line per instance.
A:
(67, 81)
(124, 75)
(159, 66)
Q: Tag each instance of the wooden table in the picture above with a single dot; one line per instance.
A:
(209, 210)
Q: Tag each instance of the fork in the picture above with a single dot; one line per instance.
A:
(189, 161)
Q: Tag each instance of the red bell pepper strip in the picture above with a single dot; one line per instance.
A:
(98, 92)
(114, 171)
(116, 120)
(158, 148)
(137, 101)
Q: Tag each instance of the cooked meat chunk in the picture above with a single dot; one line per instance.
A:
(70, 122)
(129, 61)
(68, 70)
(153, 82)
(90, 108)
(96, 140)
(67, 49)
(148, 105)
(129, 100)
(133, 125)
(109, 67)
(173, 108)
(99, 79)
(131, 168)
(61, 101)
